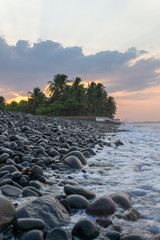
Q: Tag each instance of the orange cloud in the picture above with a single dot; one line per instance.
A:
(17, 98)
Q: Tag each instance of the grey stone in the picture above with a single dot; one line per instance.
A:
(11, 191)
(7, 212)
(46, 208)
(85, 229)
(69, 189)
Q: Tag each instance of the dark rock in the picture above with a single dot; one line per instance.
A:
(22, 181)
(69, 189)
(103, 222)
(34, 190)
(32, 235)
(7, 150)
(90, 150)
(11, 191)
(132, 214)
(28, 193)
(4, 157)
(7, 212)
(85, 229)
(112, 235)
(73, 162)
(66, 204)
(16, 175)
(9, 168)
(86, 154)
(77, 154)
(48, 209)
(3, 173)
(133, 236)
(35, 184)
(122, 199)
(5, 182)
(26, 224)
(58, 234)
(101, 207)
(77, 201)
(36, 172)
(67, 181)
(156, 237)
(13, 145)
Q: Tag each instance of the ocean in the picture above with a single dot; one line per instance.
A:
(133, 168)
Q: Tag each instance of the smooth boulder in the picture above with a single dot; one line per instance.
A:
(7, 212)
(85, 229)
(69, 189)
(73, 162)
(77, 201)
(122, 199)
(101, 207)
(58, 234)
(77, 154)
(46, 208)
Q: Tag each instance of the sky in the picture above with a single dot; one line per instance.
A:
(116, 42)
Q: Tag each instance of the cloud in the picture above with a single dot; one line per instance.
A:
(25, 66)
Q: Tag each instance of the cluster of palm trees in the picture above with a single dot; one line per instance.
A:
(68, 98)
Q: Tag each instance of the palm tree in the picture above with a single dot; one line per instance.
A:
(56, 87)
(111, 107)
(36, 97)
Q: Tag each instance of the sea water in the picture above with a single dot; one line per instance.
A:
(133, 168)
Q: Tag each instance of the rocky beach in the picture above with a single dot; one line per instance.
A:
(40, 198)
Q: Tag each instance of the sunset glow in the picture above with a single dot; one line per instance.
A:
(115, 43)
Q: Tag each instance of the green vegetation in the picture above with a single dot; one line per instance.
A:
(66, 98)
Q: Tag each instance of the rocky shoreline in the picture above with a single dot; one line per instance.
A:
(37, 156)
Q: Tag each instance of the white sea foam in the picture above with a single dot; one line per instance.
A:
(132, 168)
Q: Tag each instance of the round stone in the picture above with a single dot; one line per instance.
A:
(101, 207)
(73, 162)
(36, 172)
(85, 229)
(77, 201)
(7, 212)
(58, 234)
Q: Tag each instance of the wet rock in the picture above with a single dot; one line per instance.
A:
(3, 173)
(69, 189)
(7, 150)
(36, 172)
(46, 208)
(101, 207)
(73, 162)
(85, 229)
(11, 191)
(67, 181)
(9, 168)
(90, 150)
(66, 204)
(103, 222)
(26, 224)
(156, 237)
(133, 236)
(132, 214)
(35, 184)
(58, 234)
(112, 235)
(32, 235)
(16, 175)
(4, 157)
(7, 212)
(77, 154)
(28, 193)
(122, 199)
(77, 201)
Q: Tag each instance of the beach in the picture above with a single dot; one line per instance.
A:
(65, 179)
